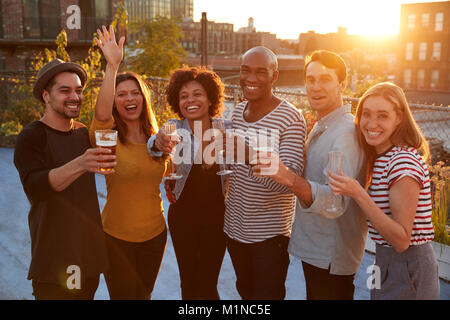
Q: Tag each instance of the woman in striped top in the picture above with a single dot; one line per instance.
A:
(398, 198)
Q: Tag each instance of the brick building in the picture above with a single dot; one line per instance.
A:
(224, 41)
(29, 26)
(182, 8)
(220, 38)
(147, 9)
(423, 55)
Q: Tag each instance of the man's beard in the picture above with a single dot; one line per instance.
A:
(65, 111)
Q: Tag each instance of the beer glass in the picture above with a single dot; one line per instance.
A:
(106, 139)
(335, 159)
(170, 129)
(219, 126)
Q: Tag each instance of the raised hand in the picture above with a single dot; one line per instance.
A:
(163, 142)
(112, 50)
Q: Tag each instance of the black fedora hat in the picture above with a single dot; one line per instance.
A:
(51, 69)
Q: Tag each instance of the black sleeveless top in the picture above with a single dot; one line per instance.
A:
(202, 200)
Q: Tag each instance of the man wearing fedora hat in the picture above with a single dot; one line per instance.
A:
(56, 167)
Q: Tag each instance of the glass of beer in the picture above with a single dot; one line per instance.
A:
(106, 139)
(170, 129)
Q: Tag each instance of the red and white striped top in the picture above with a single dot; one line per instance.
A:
(390, 167)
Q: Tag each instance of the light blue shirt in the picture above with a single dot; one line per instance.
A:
(316, 238)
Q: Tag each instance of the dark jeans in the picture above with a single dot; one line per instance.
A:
(200, 250)
(321, 285)
(53, 291)
(261, 268)
(134, 267)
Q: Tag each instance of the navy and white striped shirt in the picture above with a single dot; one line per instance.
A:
(390, 167)
(259, 208)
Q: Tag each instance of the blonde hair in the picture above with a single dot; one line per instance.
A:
(407, 132)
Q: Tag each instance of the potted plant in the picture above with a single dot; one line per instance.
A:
(440, 177)
(8, 133)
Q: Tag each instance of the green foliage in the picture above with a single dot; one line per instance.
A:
(440, 177)
(10, 128)
(359, 88)
(158, 49)
(120, 20)
(26, 108)
(93, 66)
(159, 104)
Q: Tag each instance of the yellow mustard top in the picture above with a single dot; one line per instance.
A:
(134, 210)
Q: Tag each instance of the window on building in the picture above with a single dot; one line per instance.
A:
(102, 8)
(407, 78)
(434, 82)
(439, 21)
(2, 61)
(436, 55)
(31, 28)
(420, 78)
(50, 18)
(41, 19)
(1, 21)
(422, 51)
(425, 19)
(411, 21)
(409, 51)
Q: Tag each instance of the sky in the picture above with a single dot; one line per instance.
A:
(289, 18)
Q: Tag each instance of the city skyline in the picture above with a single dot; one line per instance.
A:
(372, 18)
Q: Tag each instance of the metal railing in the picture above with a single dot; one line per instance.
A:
(433, 120)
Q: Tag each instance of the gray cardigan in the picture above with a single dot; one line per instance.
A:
(188, 143)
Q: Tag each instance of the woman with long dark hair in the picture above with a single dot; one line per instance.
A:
(133, 218)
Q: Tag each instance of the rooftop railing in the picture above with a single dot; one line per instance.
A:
(433, 120)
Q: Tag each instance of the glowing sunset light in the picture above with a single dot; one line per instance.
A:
(288, 18)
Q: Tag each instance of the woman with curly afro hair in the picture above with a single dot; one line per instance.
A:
(197, 201)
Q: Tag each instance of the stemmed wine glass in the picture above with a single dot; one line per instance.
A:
(170, 129)
(219, 125)
(335, 165)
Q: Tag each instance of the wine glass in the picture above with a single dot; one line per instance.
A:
(219, 125)
(335, 159)
(261, 143)
(170, 129)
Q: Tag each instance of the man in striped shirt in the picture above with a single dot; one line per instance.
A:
(259, 211)
(330, 245)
